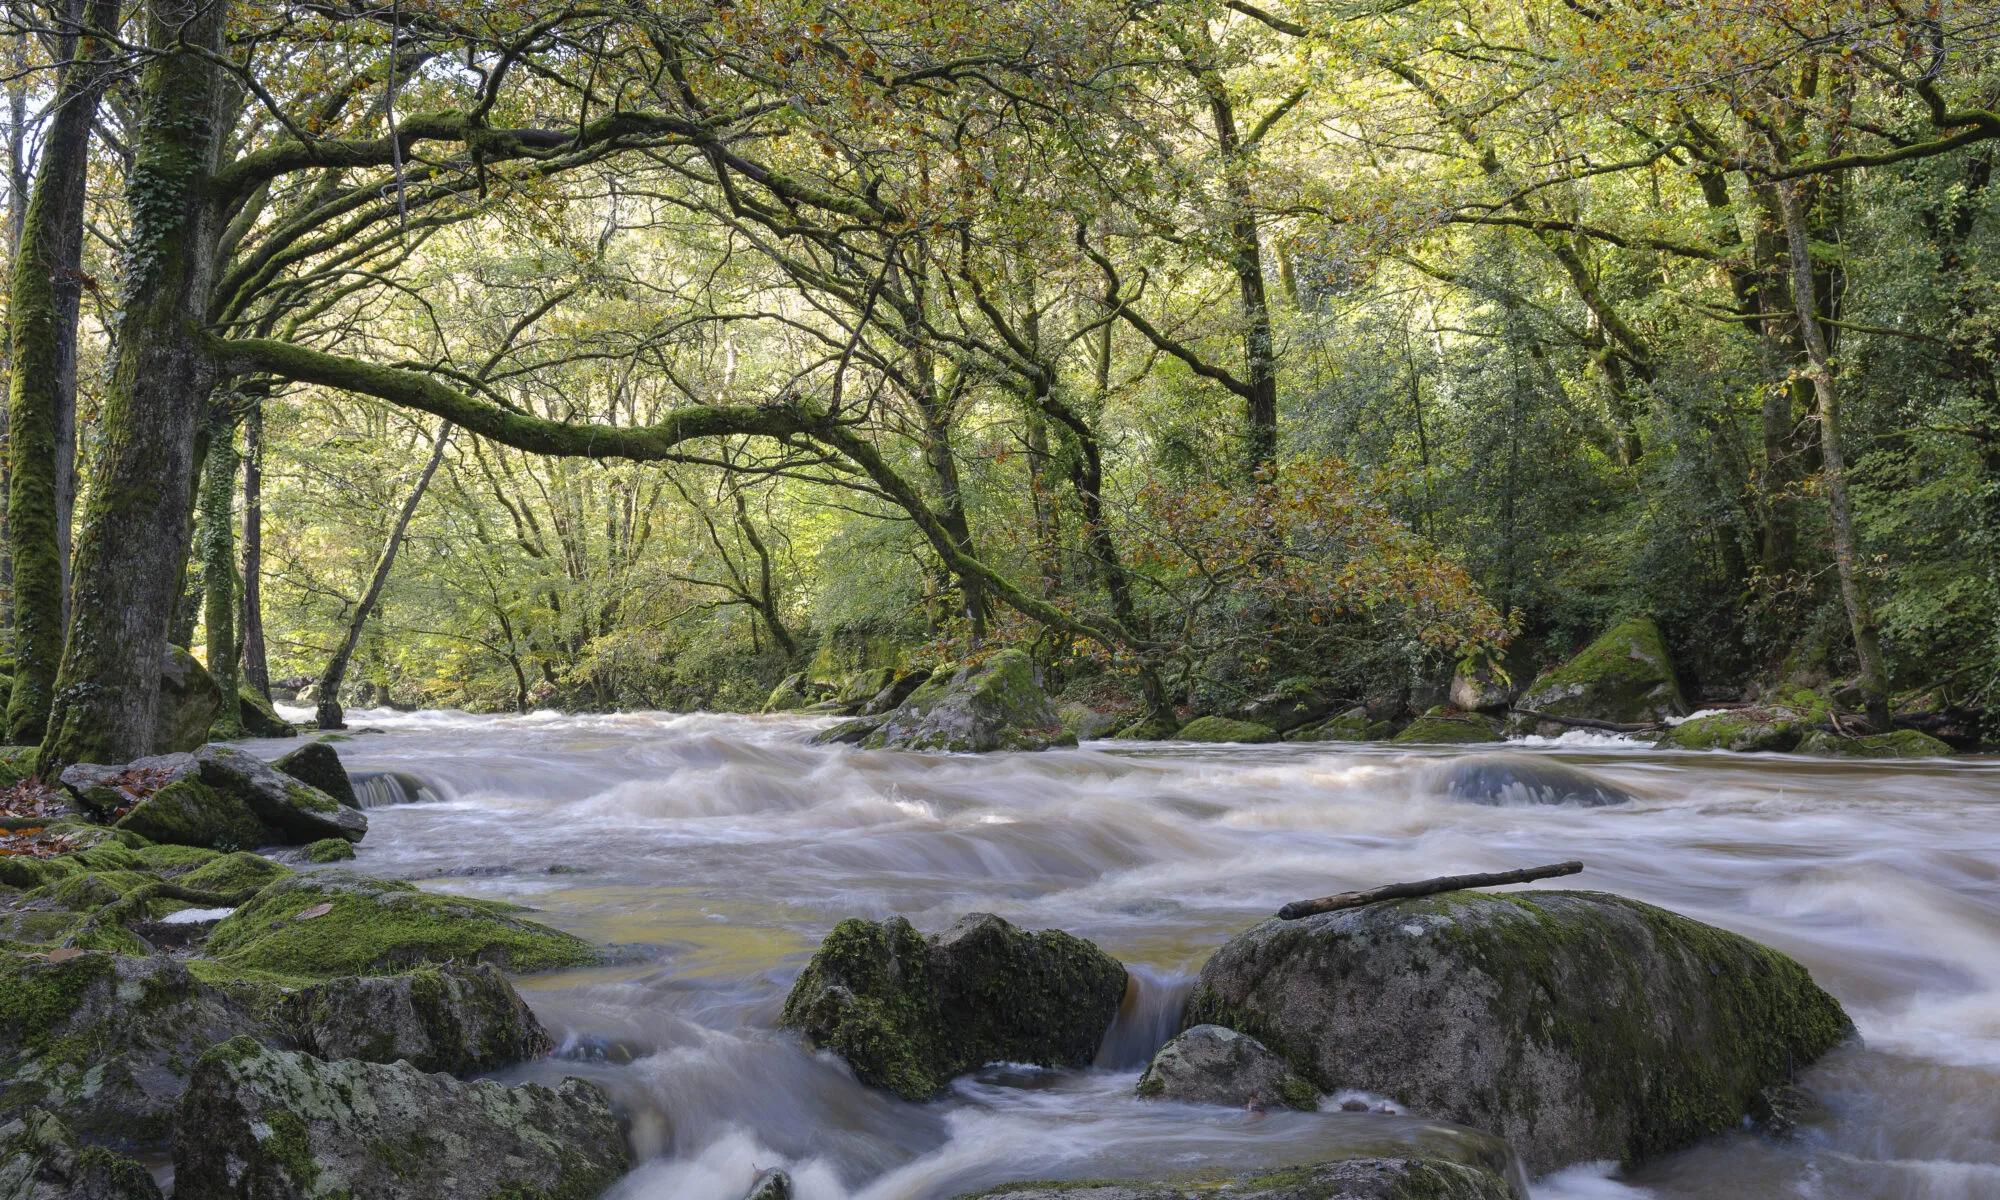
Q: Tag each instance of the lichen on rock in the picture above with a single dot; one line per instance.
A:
(994, 704)
(1210, 1064)
(909, 1013)
(41, 1159)
(458, 1020)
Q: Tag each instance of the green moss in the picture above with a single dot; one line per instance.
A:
(1344, 728)
(170, 859)
(1222, 729)
(238, 872)
(260, 719)
(868, 997)
(328, 850)
(1901, 743)
(1624, 675)
(1441, 726)
(94, 889)
(1147, 729)
(190, 813)
(37, 995)
(288, 1146)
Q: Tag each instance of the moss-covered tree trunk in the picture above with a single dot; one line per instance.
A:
(134, 536)
(256, 667)
(47, 287)
(218, 572)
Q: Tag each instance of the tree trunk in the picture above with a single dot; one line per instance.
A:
(47, 295)
(256, 667)
(218, 573)
(134, 538)
(1853, 594)
(329, 714)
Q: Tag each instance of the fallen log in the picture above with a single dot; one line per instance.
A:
(1586, 722)
(1424, 887)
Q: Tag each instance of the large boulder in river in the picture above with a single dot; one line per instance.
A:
(1223, 729)
(40, 1159)
(218, 797)
(318, 765)
(1779, 722)
(994, 704)
(910, 1012)
(319, 924)
(1345, 1179)
(458, 1020)
(1442, 726)
(1212, 1064)
(1899, 743)
(296, 810)
(278, 1125)
(189, 703)
(1624, 677)
(1577, 1026)
(1523, 779)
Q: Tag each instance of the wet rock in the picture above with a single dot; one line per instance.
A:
(1353, 725)
(1624, 677)
(910, 1012)
(892, 694)
(188, 812)
(319, 924)
(851, 732)
(259, 719)
(1442, 726)
(105, 1041)
(282, 1125)
(790, 694)
(1088, 723)
(1347, 1179)
(1478, 687)
(1524, 779)
(328, 850)
(103, 790)
(1901, 743)
(1222, 729)
(238, 872)
(771, 1185)
(995, 704)
(1292, 704)
(1210, 1064)
(1778, 723)
(1577, 1026)
(189, 703)
(456, 1020)
(296, 810)
(1148, 729)
(318, 765)
(40, 1159)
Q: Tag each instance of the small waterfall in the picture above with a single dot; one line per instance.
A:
(376, 789)
(1150, 1014)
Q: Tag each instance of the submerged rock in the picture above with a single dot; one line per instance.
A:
(334, 922)
(1347, 1179)
(105, 1041)
(1577, 1026)
(994, 704)
(1524, 779)
(910, 1012)
(278, 1125)
(456, 1020)
(1211, 1064)
(1441, 726)
(188, 705)
(318, 765)
(1222, 729)
(771, 1185)
(1900, 743)
(40, 1159)
(1624, 677)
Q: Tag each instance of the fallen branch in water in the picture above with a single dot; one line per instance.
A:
(1424, 887)
(1585, 722)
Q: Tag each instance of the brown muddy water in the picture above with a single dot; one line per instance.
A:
(719, 849)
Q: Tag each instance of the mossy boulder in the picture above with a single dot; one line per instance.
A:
(458, 1020)
(1778, 723)
(318, 765)
(299, 812)
(238, 872)
(1088, 723)
(1523, 779)
(1577, 1026)
(330, 850)
(104, 790)
(17, 763)
(320, 924)
(189, 703)
(1209, 1064)
(191, 813)
(1443, 726)
(105, 1042)
(789, 695)
(1345, 1179)
(1900, 743)
(40, 1159)
(1222, 729)
(1480, 687)
(909, 1012)
(1291, 704)
(281, 1125)
(900, 686)
(994, 704)
(851, 732)
(1624, 677)
(1353, 725)
(218, 797)
(1148, 729)
(259, 719)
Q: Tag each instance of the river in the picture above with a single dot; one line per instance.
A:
(715, 851)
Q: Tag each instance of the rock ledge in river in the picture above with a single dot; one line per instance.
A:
(458, 1020)
(1624, 676)
(1347, 1179)
(1210, 1064)
(995, 704)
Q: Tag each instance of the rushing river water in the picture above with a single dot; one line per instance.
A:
(719, 849)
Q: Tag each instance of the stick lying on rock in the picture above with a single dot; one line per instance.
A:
(1424, 887)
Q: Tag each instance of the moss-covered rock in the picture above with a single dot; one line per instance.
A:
(330, 850)
(773, 1184)
(17, 763)
(900, 686)
(1481, 686)
(191, 813)
(788, 696)
(458, 1020)
(851, 732)
(1778, 723)
(1148, 729)
(259, 719)
(107, 789)
(106, 1041)
(1577, 1026)
(287, 1126)
(1346, 1179)
(320, 924)
(1222, 729)
(1088, 723)
(1209, 1064)
(1900, 743)
(238, 872)
(299, 812)
(1624, 676)
(189, 703)
(1291, 704)
(318, 765)
(40, 1159)
(910, 1012)
(1443, 726)
(995, 704)
(1350, 726)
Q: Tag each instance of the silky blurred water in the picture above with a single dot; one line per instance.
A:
(717, 850)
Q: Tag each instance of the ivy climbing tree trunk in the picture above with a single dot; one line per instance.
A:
(218, 571)
(329, 715)
(47, 288)
(134, 536)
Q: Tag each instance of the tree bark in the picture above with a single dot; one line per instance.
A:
(256, 667)
(329, 715)
(1853, 591)
(134, 537)
(218, 572)
(47, 291)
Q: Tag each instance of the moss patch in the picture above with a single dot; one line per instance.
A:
(191, 813)
(1901, 743)
(1624, 675)
(328, 850)
(1222, 729)
(1442, 726)
(238, 872)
